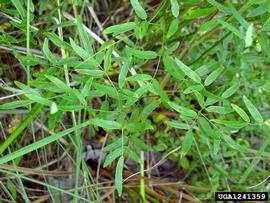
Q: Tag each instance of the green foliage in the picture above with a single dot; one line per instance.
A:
(193, 74)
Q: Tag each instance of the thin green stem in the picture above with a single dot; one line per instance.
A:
(142, 188)
(77, 138)
(28, 75)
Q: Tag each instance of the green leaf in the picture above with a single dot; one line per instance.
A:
(233, 144)
(196, 13)
(19, 7)
(84, 37)
(120, 28)
(87, 87)
(32, 94)
(249, 37)
(112, 156)
(116, 143)
(142, 54)
(183, 110)
(172, 28)
(231, 123)
(31, 6)
(213, 76)
(258, 11)
(80, 51)
(57, 41)
(217, 109)
(141, 29)
(106, 123)
(41, 143)
(211, 98)
(241, 112)
(230, 91)
(237, 15)
(58, 83)
(171, 49)
(90, 62)
(118, 176)
(139, 144)
(53, 119)
(131, 154)
(207, 68)
(200, 99)
(193, 88)
(25, 88)
(171, 66)
(266, 26)
(216, 146)
(187, 142)
(174, 8)
(47, 52)
(219, 6)
(136, 96)
(54, 108)
(15, 104)
(178, 125)
(206, 128)
(65, 108)
(79, 96)
(90, 72)
(189, 72)
(107, 60)
(147, 110)
(135, 127)
(231, 28)
(12, 188)
(112, 92)
(253, 110)
(141, 77)
(160, 92)
(138, 9)
(123, 73)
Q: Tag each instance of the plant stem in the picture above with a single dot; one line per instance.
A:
(142, 189)
(77, 138)
(28, 41)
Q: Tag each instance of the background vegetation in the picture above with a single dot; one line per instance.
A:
(151, 101)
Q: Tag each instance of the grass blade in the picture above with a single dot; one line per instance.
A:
(233, 29)
(32, 114)
(36, 145)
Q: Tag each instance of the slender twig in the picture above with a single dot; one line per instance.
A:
(16, 20)
(92, 11)
(156, 165)
(10, 96)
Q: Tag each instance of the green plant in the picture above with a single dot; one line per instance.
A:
(188, 75)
